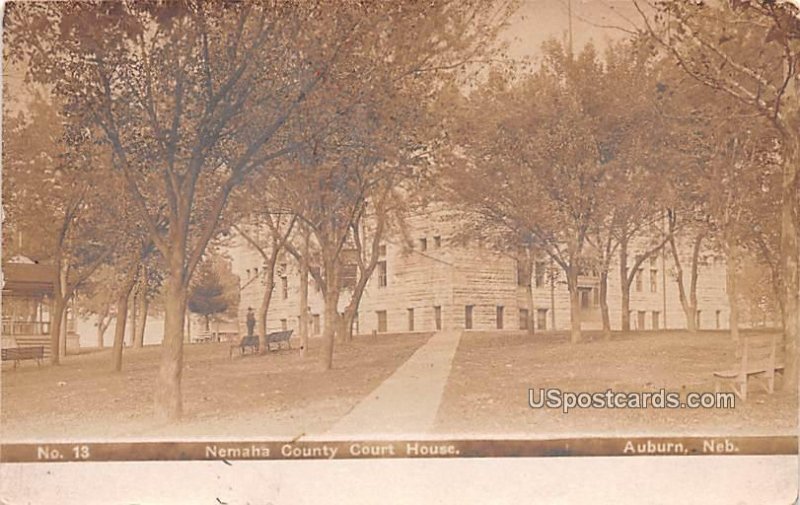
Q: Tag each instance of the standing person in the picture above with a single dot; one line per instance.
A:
(251, 321)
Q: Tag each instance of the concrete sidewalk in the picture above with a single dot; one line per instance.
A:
(407, 402)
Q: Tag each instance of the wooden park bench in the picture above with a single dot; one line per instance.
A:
(247, 342)
(278, 337)
(758, 358)
(17, 354)
(203, 338)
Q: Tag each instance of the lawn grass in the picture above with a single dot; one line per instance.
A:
(487, 391)
(282, 395)
(276, 395)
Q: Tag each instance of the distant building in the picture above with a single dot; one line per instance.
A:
(435, 283)
(26, 306)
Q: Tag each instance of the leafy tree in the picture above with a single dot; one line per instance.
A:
(351, 192)
(194, 98)
(714, 180)
(96, 299)
(748, 51)
(566, 154)
(733, 190)
(68, 218)
(640, 149)
(279, 226)
(330, 200)
(349, 178)
(128, 266)
(210, 294)
(758, 296)
(151, 279)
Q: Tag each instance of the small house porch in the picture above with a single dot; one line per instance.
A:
(27, 296)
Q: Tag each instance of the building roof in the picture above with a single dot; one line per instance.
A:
(27, 278)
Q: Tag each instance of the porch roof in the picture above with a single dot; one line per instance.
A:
(21, 279)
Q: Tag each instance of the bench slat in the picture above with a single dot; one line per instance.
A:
(17, 354)
(272, 338)
(246, 342)
(731, 374)
(279, 336)
(760, 356)
(10, 353)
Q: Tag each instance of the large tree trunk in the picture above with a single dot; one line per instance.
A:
(122, 318)
(187, 316)
(331, 296)
(625, 286)
(574, 305)
(58, 311)
(119, 333)
(349, 315)
(59, 307)
(366, 267)
(66, 297)
(552, 276)
(133, 304)
(329, 330)
(688, 303)
(690, 314)
(304, 296)
(604, 304)
(266, 300)
(694, 277)
(789, 257)
(529, 259)
(348, 321)
(531, 308)
(62, 336)
(778, 291)
(340, 329)
(144, 306)
(103, 321)
(168, 405)
(731, 288)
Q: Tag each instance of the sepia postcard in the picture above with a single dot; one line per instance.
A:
(413, 238)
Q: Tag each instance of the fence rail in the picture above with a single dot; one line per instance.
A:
(26, 327)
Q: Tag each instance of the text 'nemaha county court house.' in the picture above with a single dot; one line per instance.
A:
(430, 278)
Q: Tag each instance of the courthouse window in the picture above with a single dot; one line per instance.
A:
(383, 280)
(539, 274)
(382, 321)
(523, 319)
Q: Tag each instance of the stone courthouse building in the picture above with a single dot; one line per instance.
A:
(427, 280)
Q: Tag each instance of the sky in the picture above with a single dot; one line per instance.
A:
(535, 22)
(592, 20)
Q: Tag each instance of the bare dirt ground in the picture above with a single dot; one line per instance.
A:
(277, 395)
(487, 392)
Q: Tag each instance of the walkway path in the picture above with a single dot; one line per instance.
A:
(407, 402)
